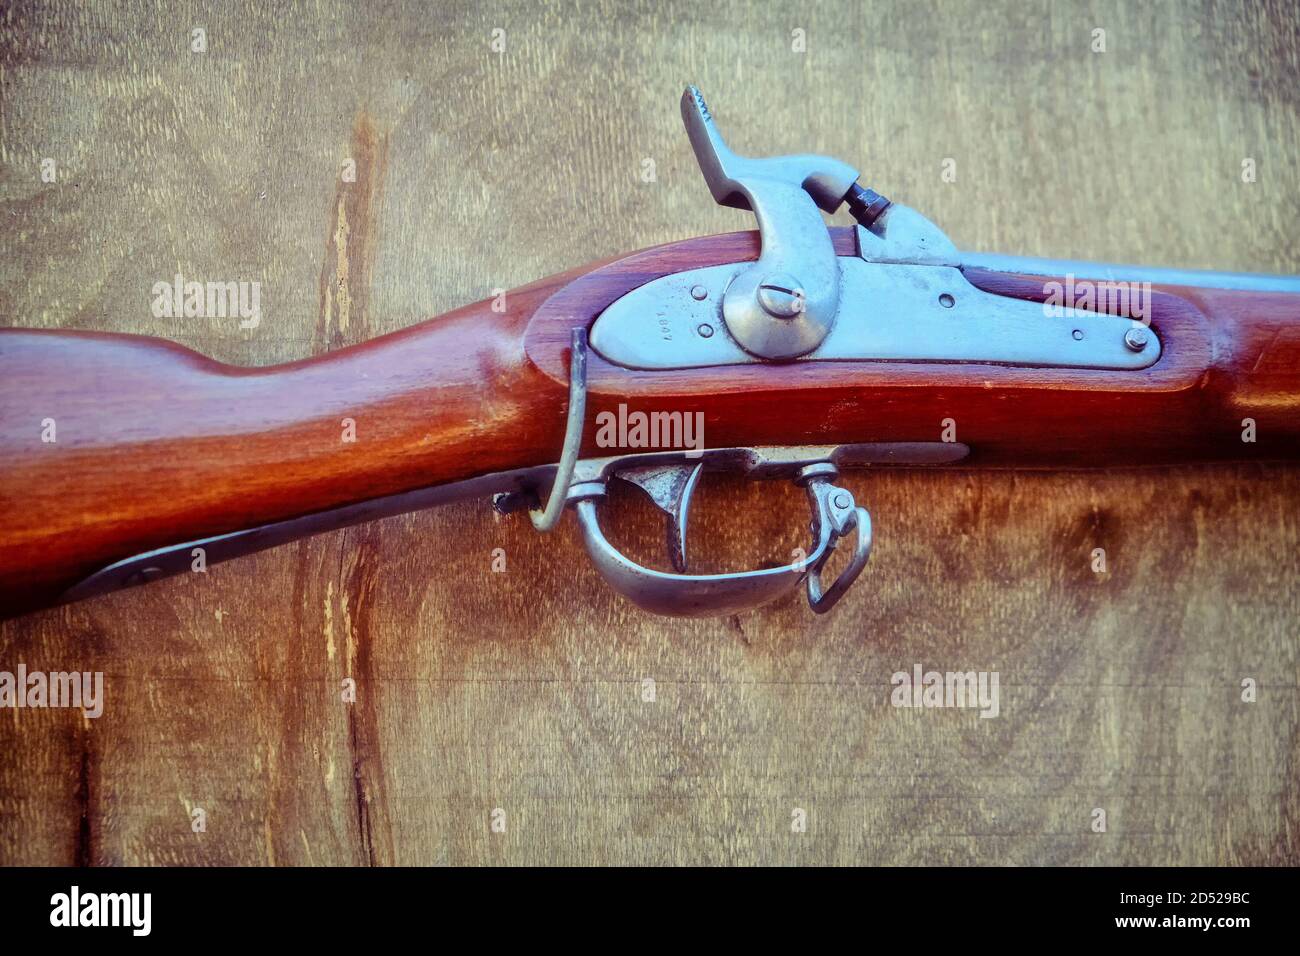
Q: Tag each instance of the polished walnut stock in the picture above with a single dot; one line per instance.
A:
(153, 444)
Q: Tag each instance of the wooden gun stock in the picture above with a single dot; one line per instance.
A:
(114, 445)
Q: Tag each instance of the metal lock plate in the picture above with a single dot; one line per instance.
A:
(889, 311)
(903, 298)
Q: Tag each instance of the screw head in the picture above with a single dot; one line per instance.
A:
(842, 500)
(781, 296)
(705, 330)
(1137, 338)
(144, 576)
(699, 293)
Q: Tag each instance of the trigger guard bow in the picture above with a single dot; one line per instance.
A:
(704, 595)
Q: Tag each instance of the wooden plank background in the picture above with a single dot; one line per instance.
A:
(523, 690)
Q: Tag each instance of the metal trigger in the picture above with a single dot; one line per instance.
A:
(836, 513)
(670, 488)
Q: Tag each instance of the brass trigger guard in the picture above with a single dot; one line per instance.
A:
(834, 516)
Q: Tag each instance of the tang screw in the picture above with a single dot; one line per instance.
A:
(699, 293)
(705, 330)
(144, 576)
(781, 295)
(1137, 338)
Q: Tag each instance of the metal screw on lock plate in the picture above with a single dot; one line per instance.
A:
(781, 296)
(1136, 338)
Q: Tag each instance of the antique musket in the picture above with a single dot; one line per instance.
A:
(805, 348)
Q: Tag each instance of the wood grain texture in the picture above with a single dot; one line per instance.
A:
(523, 689)
(156, 445)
